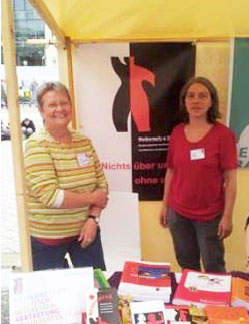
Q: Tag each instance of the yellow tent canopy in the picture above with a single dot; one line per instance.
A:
(98, 20)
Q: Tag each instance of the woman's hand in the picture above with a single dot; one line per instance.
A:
(225, 227)
(167, 182)
(88, 232)
(162, 216)
(100, 198)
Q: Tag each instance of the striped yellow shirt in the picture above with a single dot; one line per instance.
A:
(51, 167)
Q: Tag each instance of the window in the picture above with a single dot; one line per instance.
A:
(28, 25)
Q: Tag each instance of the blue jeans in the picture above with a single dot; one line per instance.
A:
(50, 257)
(194, 240)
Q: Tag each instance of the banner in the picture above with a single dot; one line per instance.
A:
(239, 111)
(127, 97)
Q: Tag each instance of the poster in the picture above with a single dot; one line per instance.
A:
(239, 110)
(127, 100)
(157, 74)
(49, 296)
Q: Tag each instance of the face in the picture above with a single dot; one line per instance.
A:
(198, 101)
(56, 109)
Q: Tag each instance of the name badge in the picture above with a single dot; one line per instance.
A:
(82, 158)
(197, 154)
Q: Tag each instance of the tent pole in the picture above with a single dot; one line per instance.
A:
(15, 131)
(49, 20)
(70, 80)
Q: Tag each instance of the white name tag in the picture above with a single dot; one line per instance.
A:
(82, 158)
(197, 154)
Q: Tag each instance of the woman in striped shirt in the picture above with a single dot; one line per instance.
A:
(67, 187)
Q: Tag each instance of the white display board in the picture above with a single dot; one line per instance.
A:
(120, 230)
(49, 296)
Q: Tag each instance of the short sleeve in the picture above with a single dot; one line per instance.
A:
(169, 161)
(229, 159)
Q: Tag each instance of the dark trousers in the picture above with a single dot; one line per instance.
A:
(50, 257)
(194, 240)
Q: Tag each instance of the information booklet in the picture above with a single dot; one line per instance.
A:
(146, 281)
(49, 296)
(177, 313)
(148, 312)
(102, 306)
(226, 315)
(200, 289)
(240, 292)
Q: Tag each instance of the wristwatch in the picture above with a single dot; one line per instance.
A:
(95, 218)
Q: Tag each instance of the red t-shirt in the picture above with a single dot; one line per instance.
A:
(197, 186)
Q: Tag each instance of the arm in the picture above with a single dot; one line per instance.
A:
(102, 184)
(226, 224)
(167, 182)
(98, 198)
(101, 179)
(89, 229)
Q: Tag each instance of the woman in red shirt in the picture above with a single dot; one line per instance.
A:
(200, 182)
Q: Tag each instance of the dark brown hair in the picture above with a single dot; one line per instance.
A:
(213, 112)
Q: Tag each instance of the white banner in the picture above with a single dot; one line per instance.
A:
(96, 85)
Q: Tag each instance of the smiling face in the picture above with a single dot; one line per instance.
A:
(198, 101)
(56, 109)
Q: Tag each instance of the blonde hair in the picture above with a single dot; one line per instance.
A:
(50, 86)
